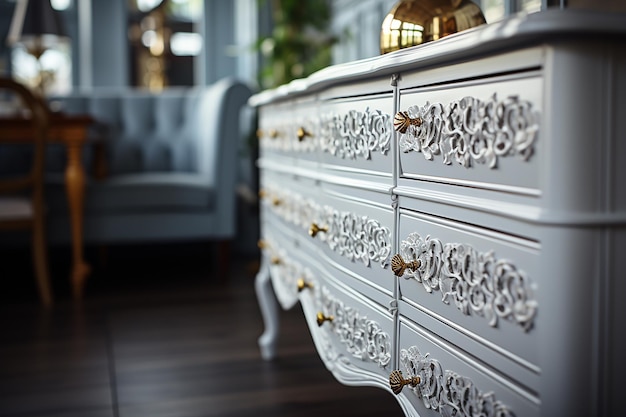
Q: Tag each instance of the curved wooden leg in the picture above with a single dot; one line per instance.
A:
(40, 258)
(269, 311)
(75, 187)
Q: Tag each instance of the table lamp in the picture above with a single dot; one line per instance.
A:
(37, 27)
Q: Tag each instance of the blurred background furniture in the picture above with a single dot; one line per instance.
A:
(171, 164)
(22, 196)
(70, 133)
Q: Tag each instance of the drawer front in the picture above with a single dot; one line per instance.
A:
(289, 274)
(355, 137)
(484, 134)
(279, 248)
(289, 130)
(274, 126)
(353, 335)
(452, 383)
(482, 284)
(282, 196)
(355, 232)
(304, 131)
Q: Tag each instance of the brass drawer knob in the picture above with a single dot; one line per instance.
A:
(321, 318)
(275, 260)
(398, 265)
(262, 244)
(262, 194)
(397, 381)
(315, 229)
(402, 121)
(260, 133)
(302, 133)
(273, 133)
(276, 201)
(302, 285)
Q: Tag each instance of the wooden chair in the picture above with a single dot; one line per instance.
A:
(22, 196)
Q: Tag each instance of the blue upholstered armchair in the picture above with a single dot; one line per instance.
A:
(171, 160)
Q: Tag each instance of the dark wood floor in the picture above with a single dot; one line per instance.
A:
(159, 335)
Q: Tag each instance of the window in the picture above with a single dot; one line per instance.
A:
(497, 9)
(163, 42)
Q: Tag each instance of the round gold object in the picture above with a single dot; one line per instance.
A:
(413, 22)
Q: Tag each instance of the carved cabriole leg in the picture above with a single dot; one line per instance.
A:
(75, 187)
(269, 311)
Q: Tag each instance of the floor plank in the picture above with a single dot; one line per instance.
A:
(158, 335)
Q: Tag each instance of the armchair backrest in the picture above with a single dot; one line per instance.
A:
(179, 129)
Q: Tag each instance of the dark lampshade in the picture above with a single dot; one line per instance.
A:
(36, 25)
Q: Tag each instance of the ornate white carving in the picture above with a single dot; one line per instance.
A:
(355, 134)
(358, 238)
(363, 338)
(476, 282)
(446, 392)
(470, 130)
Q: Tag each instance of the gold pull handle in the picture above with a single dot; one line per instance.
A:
(275, 260)
(321, 318)
(259, 133)
(262, 244)
(302, 285)
(397, 381)
(398, 265)
(276, 201)
(262, 194)
(315, 229)
(402, 121)
(302, 133)
(273, 133)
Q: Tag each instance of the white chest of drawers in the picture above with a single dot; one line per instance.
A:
(456, 212)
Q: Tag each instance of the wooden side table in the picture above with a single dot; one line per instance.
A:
(71, 131)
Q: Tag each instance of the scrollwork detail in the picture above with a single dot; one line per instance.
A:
(356, 134)
(357, 238)
(475, 282)
(363, 338)
(472, 131)
(447, 392)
